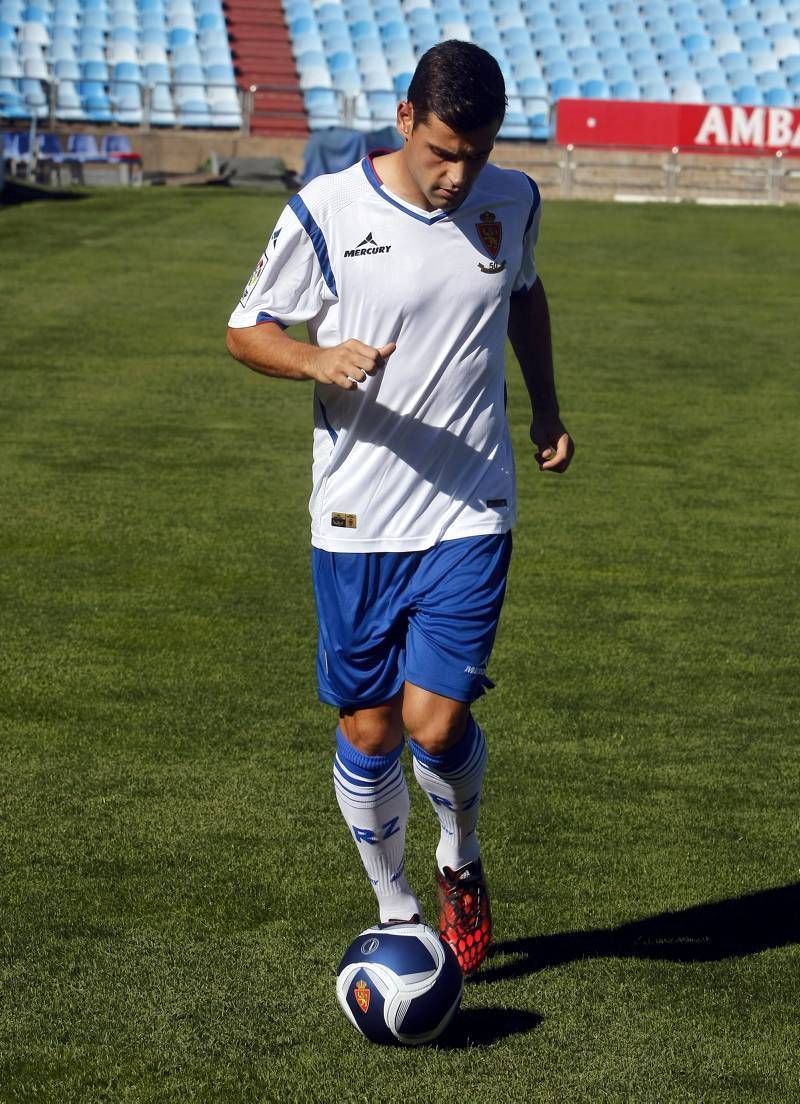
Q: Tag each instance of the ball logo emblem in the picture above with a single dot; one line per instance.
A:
(362, 994)
(370, 946)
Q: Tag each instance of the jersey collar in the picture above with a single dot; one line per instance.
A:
(428, 217)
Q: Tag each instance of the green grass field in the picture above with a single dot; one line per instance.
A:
(176, 884)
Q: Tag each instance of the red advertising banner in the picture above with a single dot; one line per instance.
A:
(701, 128)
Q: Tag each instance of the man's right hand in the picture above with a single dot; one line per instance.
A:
(348, 364)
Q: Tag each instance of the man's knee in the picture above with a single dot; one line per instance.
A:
(374, 731)
(434, 722)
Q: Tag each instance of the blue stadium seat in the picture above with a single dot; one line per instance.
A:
(769, 82)
(94, 71)
(82, 147)
(718, 93)
(401, 81)
(96, 103)
(617, 74)
(126, 99)
(625, 90)
(688, 91)
(533, 88)
(347, 81)
(66, 69)
(162, 110)
(779, 97)
(322, 107)
(68, 102)
(12, 105)
(563, 88)
(114, 146)
(156, 72)
(188, 74)
(595, 90)
(749, 95)
(49, 147)
(655, 92)
(10, 68)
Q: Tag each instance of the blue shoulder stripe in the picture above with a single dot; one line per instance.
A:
(537, 199)
(306, 220)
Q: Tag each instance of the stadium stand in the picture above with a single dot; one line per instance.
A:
(118, 62)
(313, 64)
(690, 51)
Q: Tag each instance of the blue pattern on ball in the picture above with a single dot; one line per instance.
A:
(401, 954)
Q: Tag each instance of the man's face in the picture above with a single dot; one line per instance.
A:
(443, 163)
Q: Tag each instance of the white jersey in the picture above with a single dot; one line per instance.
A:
(420, 452)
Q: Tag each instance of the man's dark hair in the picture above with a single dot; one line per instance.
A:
(459, 83)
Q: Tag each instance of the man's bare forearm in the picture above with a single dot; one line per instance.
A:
(267, 349)
(529, 333)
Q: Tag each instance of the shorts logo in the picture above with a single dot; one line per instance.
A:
(362, 994)
(366, 247)
(344, 521)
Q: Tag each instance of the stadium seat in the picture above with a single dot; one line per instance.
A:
(49, 148)
(82, 147)
(749, 95)
(12, 105)
(625, 90)
(162, 110)
(595, 90)
(10, 68)
(36, 68)
(68, 102)
(322, 106)
(778, 97)
(564, 88)
(688, 92)
(194, 113)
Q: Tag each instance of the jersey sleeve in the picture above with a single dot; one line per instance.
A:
(288, 284)
(526, 276)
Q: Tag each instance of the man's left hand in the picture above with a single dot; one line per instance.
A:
(554, 446)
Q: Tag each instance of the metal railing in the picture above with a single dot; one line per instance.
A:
(676, 175)
(62, 113)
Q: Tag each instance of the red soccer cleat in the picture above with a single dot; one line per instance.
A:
(465, 919)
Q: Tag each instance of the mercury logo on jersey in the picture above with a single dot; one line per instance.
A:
(367, 247)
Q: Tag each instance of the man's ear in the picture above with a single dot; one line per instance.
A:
(405, 119)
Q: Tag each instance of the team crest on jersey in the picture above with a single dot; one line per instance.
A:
(362, 993)
(490, 231)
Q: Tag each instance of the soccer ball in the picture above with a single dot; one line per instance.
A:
(399, 984)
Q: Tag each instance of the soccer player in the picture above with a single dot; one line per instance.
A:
(410, 269)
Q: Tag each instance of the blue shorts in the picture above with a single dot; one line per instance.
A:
(427, 617)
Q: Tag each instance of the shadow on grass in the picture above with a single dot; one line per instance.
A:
(477, 1027)
(704, 933)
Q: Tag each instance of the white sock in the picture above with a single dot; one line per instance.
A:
(453, 782)
(373, 797)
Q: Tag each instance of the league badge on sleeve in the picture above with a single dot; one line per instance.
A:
(251, 283)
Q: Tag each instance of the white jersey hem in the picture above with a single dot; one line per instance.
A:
(409, 544)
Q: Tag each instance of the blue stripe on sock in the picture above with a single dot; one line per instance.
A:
(457, 757)
(368, 766)
(356, 791)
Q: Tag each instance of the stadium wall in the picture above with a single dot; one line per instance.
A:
(562, 172)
